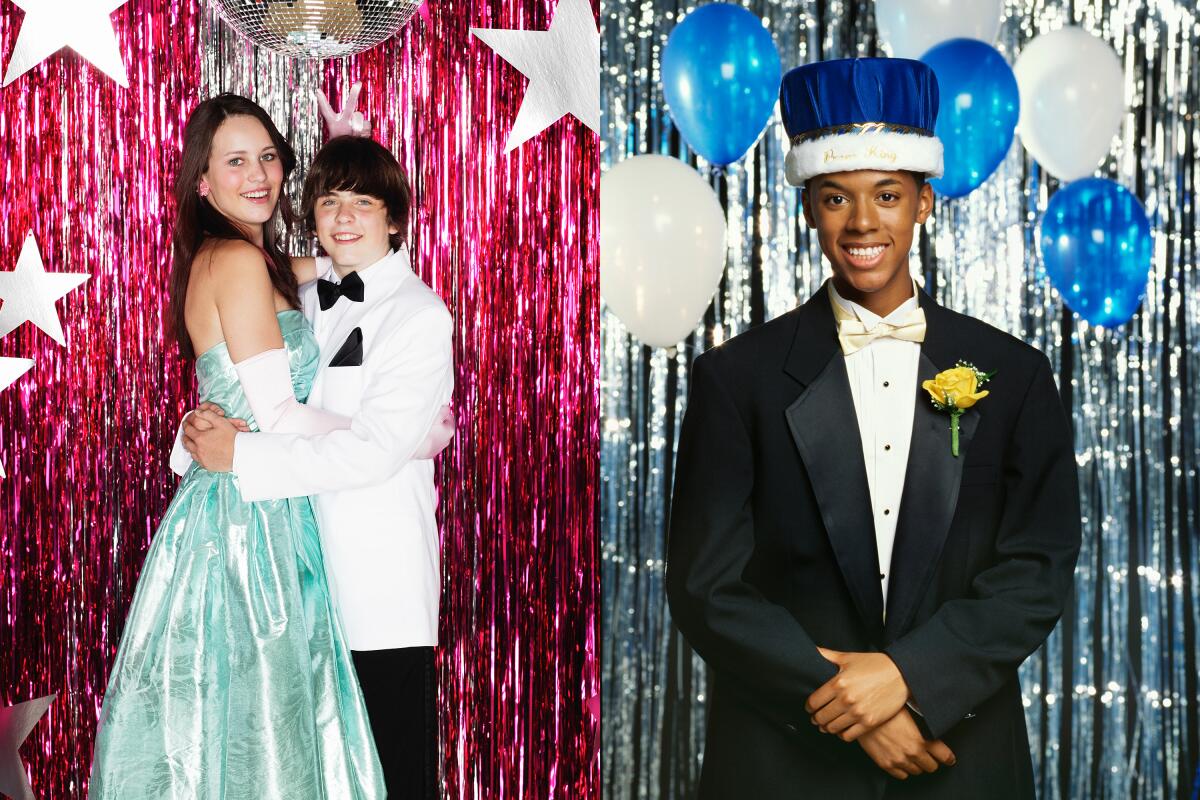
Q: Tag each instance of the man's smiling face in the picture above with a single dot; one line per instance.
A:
(864, 221)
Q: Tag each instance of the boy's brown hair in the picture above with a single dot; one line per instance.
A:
(363, 166)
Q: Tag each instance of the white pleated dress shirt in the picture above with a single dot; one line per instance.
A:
(883, 382)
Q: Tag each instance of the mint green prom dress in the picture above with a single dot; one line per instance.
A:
(232, 679)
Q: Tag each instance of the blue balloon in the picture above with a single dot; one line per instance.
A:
(720, 73)
(978, 107)
(1096, 247)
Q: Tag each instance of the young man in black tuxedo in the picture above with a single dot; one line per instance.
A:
(864, 543)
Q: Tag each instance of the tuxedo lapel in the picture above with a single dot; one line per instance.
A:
(824, 426)
(336, 333)
(932, 477)
(331, 327)
(318, 318)
(310, 305)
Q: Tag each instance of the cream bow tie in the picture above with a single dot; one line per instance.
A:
(853, 334)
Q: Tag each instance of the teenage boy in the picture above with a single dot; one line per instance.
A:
(864, 544)
(385, 341)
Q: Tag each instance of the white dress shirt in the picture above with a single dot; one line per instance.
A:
(883, 383)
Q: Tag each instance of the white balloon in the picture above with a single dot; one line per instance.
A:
(662, 246)
(1072, 100)
(911, 27)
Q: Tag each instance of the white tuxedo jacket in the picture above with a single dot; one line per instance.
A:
(375, 506)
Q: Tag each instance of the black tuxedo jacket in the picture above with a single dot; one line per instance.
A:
(771, 552)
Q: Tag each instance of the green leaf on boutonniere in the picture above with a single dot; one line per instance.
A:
(954, 391)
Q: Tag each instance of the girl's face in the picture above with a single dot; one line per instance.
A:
(244, 174)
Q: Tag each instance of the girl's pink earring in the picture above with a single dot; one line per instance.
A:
(204, 191)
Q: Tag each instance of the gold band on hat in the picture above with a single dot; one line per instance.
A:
(859, 128)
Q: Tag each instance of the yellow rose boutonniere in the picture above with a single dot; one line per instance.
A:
(956, 390)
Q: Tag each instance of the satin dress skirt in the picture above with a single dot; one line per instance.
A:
(232, 679)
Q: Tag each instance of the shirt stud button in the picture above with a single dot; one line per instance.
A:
(886, 384)
(887, 447)
(881, 576)
(887, 511)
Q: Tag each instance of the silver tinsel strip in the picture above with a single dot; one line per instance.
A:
(284, 87)
(1111, 698)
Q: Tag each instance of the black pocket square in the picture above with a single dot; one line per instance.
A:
(350, 354)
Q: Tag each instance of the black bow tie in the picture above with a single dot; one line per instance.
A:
(328, 292)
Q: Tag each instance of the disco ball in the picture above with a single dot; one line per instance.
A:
(317, 28)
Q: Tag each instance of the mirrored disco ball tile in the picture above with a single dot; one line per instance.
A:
(317, 28)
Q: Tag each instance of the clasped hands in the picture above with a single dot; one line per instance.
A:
(209, 436)
(865, 703)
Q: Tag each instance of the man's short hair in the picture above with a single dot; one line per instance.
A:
(363, 166)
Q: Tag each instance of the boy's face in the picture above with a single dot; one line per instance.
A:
(864, 221)
(353, 228)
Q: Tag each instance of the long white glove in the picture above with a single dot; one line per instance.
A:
(439, 436)
(273, 403)
(181, 459)
(266, 380)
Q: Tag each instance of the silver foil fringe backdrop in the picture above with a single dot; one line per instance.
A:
(1112, 696)
(509, 241)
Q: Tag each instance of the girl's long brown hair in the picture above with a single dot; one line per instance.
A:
(196, 220)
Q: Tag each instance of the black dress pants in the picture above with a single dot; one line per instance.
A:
(399, 689)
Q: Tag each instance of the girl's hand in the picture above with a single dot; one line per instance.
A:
(439, 437)
(347, 122)
(198, 423)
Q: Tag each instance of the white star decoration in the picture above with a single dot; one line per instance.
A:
(10, 370)
(29, 293)
(16, 722)
(563, 67)
(82, 25)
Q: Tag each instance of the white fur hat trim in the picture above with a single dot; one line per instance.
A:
(877, 150)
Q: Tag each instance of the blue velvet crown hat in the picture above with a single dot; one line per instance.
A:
(860, 113)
